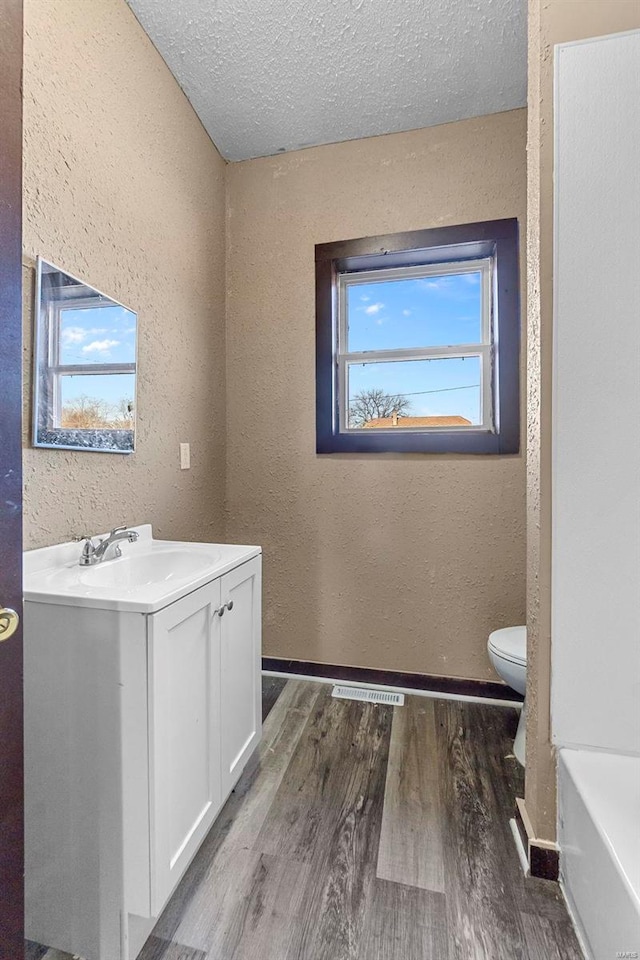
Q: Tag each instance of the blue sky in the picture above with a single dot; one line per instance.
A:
(428, 312)
(98, 335)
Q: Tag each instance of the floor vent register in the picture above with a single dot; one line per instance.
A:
(369, 696)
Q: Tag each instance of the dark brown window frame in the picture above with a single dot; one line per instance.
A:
(470, 241)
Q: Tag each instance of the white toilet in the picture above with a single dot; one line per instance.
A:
(508, 653)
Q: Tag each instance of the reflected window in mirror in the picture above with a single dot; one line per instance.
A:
(85, 366)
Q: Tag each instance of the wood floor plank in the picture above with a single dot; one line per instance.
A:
(346, 807)
(542, 898)
(260, 924)
(490, 731)
(158, 949)
(549, 939)
(487, 893)
(272, 687)
(480, 869)
(411, 839)
(246, 910)
(254, 794)
(241, 819)
(404, 923)
(204, 916)
(307, 804)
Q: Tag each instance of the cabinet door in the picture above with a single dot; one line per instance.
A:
(184, 725)
(241, 669)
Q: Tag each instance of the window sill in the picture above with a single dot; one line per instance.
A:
(476, 442)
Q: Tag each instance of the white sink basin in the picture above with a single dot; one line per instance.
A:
(141, 570)
(148, 576)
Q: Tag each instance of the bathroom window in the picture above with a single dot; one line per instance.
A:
(417, 342)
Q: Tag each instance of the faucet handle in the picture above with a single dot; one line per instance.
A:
(88, 551)
(78, 537)
(122, 526)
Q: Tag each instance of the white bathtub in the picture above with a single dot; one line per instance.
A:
(599, 836)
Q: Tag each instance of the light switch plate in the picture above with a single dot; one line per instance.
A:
(185, 456)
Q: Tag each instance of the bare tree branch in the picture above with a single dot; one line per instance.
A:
(92, 413)
(374, 404)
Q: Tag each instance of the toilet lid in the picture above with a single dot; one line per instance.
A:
(510, 643)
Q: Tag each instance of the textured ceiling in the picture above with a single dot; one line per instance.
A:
(266, 76)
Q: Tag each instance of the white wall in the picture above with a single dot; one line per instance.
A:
(596, 439)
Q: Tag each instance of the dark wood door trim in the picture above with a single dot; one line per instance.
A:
(11, 707)
(542, 856)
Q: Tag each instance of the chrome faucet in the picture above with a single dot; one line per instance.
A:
(96, 553)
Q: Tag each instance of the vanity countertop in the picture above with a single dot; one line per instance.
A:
(148, 576)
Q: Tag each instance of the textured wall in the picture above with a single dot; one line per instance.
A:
(550, 22)
(124, 189)
(399, 562)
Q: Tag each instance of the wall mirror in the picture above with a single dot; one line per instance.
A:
(84, 366)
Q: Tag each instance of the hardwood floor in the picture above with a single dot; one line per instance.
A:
(411, 842)
(366, 832)
(272, 687)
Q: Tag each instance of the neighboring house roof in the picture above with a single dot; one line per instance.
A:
(418, 422)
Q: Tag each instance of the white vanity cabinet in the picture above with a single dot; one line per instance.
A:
(204, 714)
(138, 724)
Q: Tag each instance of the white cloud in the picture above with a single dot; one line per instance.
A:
(406, 313)
(100, 346)
(365, 298)
(71, 335)
(441, 283)
(374, 308)
(450, 285)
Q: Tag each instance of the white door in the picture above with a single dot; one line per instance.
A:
(595, 561)
(184, 726)
(241, 669)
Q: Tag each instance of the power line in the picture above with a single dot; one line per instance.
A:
(421, 393)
